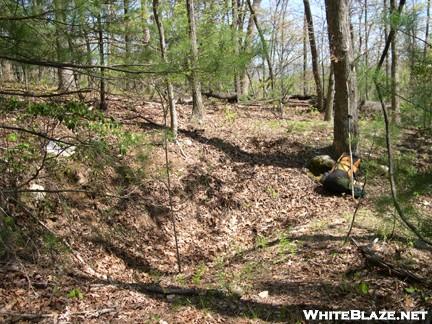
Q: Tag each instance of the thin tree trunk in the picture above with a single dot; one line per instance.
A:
(345, 102)
(245, 80)
(126, 36)
(305, 36)
(145, 26)
(263, 44)
(395, 106)
(427, 28)
(387, 64)
(330, 96)
(162, 45)
(235, 28)
(366, 40)
(102, 91)
(314, 53)
(198, 107)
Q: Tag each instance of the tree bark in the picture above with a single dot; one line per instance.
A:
(345, 105)
(245, 80)
(162, 46)
(235, 29)
(7, 71)
(64, 76)
(198, 107)
(263, 43)
(305, 92)
(330, 96)
(427, 27)
(102, 91)
(395, 105)
(314, 53)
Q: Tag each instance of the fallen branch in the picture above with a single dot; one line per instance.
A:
(30, 316)
(374, 260)
(42, 135)
(232, 98)
(46, 95)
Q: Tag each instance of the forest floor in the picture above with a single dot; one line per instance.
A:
(259, 239)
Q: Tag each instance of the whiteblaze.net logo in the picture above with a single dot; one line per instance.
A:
(358, 315)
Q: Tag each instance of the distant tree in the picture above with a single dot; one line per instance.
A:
(395, 104)
(162, 45)
(198, 106)
(314, 53)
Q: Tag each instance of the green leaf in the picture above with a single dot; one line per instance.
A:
(363, 288)
(75, 293)
(12, 137)
(410, 290)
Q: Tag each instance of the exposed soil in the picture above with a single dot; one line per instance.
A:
(249, 218)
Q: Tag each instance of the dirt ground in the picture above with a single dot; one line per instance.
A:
(259, 240)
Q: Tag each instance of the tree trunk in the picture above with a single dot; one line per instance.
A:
(235, 29)
(314, 53)
(263, 43)
(7, 71)
(198, 107)
(145, 25)
(366, 41)
(305, 92)
(64, 76)
(102, 95)
(330, 96)
(387, 65)
(245, 80)
(427, 28)
(162, 45)
(345, 105)
(395, 106)
(127, 40)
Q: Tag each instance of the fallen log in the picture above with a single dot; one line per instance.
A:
(231, 98)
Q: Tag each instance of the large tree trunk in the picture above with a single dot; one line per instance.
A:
(198, 107)
(314, 53)
(345, 106)
(395, 106)
(162, 45)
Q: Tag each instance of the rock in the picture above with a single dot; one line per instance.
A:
(38, 196)
(320, 164)
(236, 290)
(263, 294)
(55, 149)
(383, 169)
(187, 142)
(170, 297)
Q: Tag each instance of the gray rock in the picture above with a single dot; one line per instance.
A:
(320, 164)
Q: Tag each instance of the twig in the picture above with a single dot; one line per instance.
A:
(165, 112)
(39, 134)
